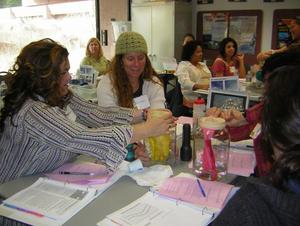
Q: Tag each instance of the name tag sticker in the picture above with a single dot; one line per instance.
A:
(256, 131)
(142, 102)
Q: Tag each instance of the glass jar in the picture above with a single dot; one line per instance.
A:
(211, 149)
(162, 149)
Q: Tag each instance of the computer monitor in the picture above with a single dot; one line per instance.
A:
(228, 99)
(225, 83)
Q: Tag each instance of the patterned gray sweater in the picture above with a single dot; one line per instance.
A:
(42, 138)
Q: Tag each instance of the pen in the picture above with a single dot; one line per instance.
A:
(201, 188)
(76, 173)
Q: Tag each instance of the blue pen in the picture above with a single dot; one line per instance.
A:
(201, 188)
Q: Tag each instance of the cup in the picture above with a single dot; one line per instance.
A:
(160, 147)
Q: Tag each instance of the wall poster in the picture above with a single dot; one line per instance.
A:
(214, 29)
(243, 30)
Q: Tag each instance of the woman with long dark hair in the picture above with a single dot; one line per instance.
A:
(229, 61)
(43, 124)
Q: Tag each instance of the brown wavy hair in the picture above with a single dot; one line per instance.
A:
(120, 81)
(36, 72)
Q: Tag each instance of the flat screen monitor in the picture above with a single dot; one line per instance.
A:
(228, 99)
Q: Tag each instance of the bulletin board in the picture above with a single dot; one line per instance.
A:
(244, 26)
(280, 33)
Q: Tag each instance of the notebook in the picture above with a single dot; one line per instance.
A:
(177, 202)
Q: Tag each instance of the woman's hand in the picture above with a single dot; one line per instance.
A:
(240, 57)
(233, 118)
(141, 153)
(155, 125)
(160, 122)
(214, 112)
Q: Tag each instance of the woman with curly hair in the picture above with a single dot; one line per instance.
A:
(275, 201)
(229, 60)
(43, 124)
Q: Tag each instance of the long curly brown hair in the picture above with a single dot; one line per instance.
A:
(36, 72)
(121, 85)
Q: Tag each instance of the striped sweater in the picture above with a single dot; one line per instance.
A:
(42, 138)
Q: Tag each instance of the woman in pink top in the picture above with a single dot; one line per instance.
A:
(229, 61)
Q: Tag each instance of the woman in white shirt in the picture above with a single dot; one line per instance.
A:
(131, 76)
(191, 72)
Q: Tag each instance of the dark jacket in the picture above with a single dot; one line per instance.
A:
(261, 204)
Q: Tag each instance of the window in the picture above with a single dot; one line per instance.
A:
(71, 23)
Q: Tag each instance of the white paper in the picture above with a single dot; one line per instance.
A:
(142, 102)
(152, 209)
(152, 176)
(53, 200)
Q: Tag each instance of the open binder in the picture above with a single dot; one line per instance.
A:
(49, 202)
(153, 209)
(156, 209)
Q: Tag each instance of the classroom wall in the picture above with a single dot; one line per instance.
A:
(111, 9)
(267, 8)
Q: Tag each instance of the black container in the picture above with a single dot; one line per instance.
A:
(186, 149)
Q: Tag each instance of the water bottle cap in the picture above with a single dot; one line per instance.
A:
(199, 101)
(212, 123)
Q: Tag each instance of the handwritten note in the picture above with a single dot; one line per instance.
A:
(187, 189)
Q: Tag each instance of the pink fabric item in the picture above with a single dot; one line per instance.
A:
(221, 66)
(208, 157)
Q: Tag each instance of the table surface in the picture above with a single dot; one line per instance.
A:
(120, 194)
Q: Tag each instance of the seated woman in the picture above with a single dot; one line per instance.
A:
(191, 72)
(94, 57)
(275, 201)
(43, 125)
(229, 60)
(131, 76)
(241, 126)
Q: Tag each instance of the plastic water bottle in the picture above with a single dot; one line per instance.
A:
(198, 111)
(248, 77)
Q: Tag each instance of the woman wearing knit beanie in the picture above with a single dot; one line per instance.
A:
(131, 75)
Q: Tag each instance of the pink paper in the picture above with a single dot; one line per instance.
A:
(241, 163)
(100, 176)
(187, 189)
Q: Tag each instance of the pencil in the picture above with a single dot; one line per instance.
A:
(201, 188)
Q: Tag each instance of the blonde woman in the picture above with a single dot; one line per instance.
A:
(94, 57)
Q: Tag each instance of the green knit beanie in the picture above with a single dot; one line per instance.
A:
(131, 42)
